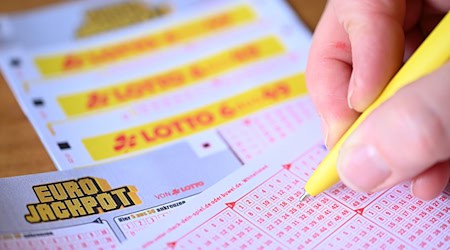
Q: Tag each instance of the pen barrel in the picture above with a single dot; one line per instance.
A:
(431, 54)
(324, 177)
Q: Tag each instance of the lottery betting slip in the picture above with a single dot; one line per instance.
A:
(95, 208)
(129, 92)
(76, 20)
(141, 131)
(257, 207)
(158, 127)
(102, 206)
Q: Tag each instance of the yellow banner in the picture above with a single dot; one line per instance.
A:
(173, 128)
(95, 57)
(112, 96)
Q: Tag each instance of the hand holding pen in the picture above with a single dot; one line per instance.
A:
(357, 48)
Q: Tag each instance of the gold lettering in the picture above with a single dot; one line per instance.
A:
(60, 210)
(43, 194)
(88, 186)
(73, 190)
(58, 191)
(75, 207)
(121, 194)
(46, 212)
(106, 201)
(89, 203)
(33, 216)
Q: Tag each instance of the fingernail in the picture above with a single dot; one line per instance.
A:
(362, 168)
(411, 188)
(351, 89)
(324, 130)
(349, 96)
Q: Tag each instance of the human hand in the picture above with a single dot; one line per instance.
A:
(358, 46)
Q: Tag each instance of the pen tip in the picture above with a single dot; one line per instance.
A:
(304, 196)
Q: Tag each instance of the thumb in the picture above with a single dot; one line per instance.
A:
(402, 138)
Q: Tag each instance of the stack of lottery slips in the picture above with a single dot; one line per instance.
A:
(145, 117)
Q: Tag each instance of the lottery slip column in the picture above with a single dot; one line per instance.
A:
(257, 207)
(74, 20)
(254, 86)
(128, 93)
(99, 207)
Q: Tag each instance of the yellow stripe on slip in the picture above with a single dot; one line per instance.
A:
(159, 132)
(112, 96)
(110, 53)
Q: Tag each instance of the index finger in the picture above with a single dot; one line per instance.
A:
(328, 74)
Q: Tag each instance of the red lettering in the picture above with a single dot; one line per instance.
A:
(123, 142)
(97, 100)
(227, 111)
(72, 62)
(247, 53)
(170, 80)
(163, 131)
(276, 92)
(146, 137)
(204, 118)
(197, 72)
(176, 126)
(218, 21)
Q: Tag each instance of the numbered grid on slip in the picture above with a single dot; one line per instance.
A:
(360, 233)
(171, 100)
(95, 239)
(227, 230)
(352, 199)
(250, 136)
(274, 208)
(421, 224)
(131, 228)
(270, 217)
(306, 164)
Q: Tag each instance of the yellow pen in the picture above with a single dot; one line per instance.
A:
(431, 54)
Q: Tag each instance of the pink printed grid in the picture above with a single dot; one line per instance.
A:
(96, 239)
(250, 136)
(363, 234)
(131, 228)
(269, 217)
(422, 224)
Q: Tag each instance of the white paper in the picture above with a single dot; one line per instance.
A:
(257, 207)
(100, 207)
(64, 133)
(58, 23)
